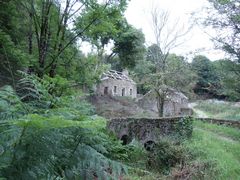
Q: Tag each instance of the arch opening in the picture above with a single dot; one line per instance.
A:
(125, 139)
(149, 145)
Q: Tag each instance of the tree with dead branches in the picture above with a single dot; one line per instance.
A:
(168, 35)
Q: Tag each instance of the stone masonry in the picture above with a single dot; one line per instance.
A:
(116, 83)
(149, 131)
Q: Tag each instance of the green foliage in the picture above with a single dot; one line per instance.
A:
(10, 104)
(57, 86)
(12, 58)
(180, 74)
(129, 45)
(85, 75)
(184, 128)
(226, 17)
(215, 146)
(227, 71)
(177, 72)
(106, 23)
(36, 91)
(142, 69)
(59, 143)
(207, 80)
(56, 148)
(166, 154)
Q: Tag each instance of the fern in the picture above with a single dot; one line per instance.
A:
(10, 104)
(59, 140)
(35, 91)
(53, 147)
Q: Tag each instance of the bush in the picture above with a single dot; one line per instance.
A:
(167, 154)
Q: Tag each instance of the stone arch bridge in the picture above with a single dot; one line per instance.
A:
(149, 131)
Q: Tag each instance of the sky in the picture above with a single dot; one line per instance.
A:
(197, 40)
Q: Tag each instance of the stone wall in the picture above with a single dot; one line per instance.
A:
(115, 87)
(231, 123)
(150, 130)
(176, 105)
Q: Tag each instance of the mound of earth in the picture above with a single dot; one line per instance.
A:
(113, 107)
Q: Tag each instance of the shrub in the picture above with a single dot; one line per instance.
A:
(165, 155)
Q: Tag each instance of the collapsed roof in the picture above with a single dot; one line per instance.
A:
(115, 75)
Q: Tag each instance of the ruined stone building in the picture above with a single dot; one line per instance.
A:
(117, 84)
(176, 103)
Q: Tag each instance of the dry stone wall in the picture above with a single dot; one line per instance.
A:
(225, 122)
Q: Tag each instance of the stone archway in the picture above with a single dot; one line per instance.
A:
(125, 139)
(149, 145)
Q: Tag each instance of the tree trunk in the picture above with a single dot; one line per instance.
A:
(160, 102)
(62, 26)
(42, 31)
(30, 69)
(160, 105)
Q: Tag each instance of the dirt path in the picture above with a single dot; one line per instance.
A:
(198, 112)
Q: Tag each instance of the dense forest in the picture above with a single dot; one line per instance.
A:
(48, 130)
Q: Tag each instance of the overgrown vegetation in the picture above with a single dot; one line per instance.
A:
(49, 131)
(219, 109)
(66, 140)
(218, 145)
(39, 140)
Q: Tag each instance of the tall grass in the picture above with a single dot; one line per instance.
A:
(221, 130)
(223, 110)
(215, 144)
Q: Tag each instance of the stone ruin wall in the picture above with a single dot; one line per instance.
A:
(177, 108)
(120, 85)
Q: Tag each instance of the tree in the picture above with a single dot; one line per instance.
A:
(13, 55)
(128, 42)
(108, 24)
(166, 39)
(229, 79)
(129, 46)
(47, 32)
(177, 75)
(207, 80)
(225, 19)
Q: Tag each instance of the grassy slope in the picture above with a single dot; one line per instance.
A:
(226, 110)
(220, 145)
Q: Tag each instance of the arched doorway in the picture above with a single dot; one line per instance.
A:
(125, 139)
(149, 145)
